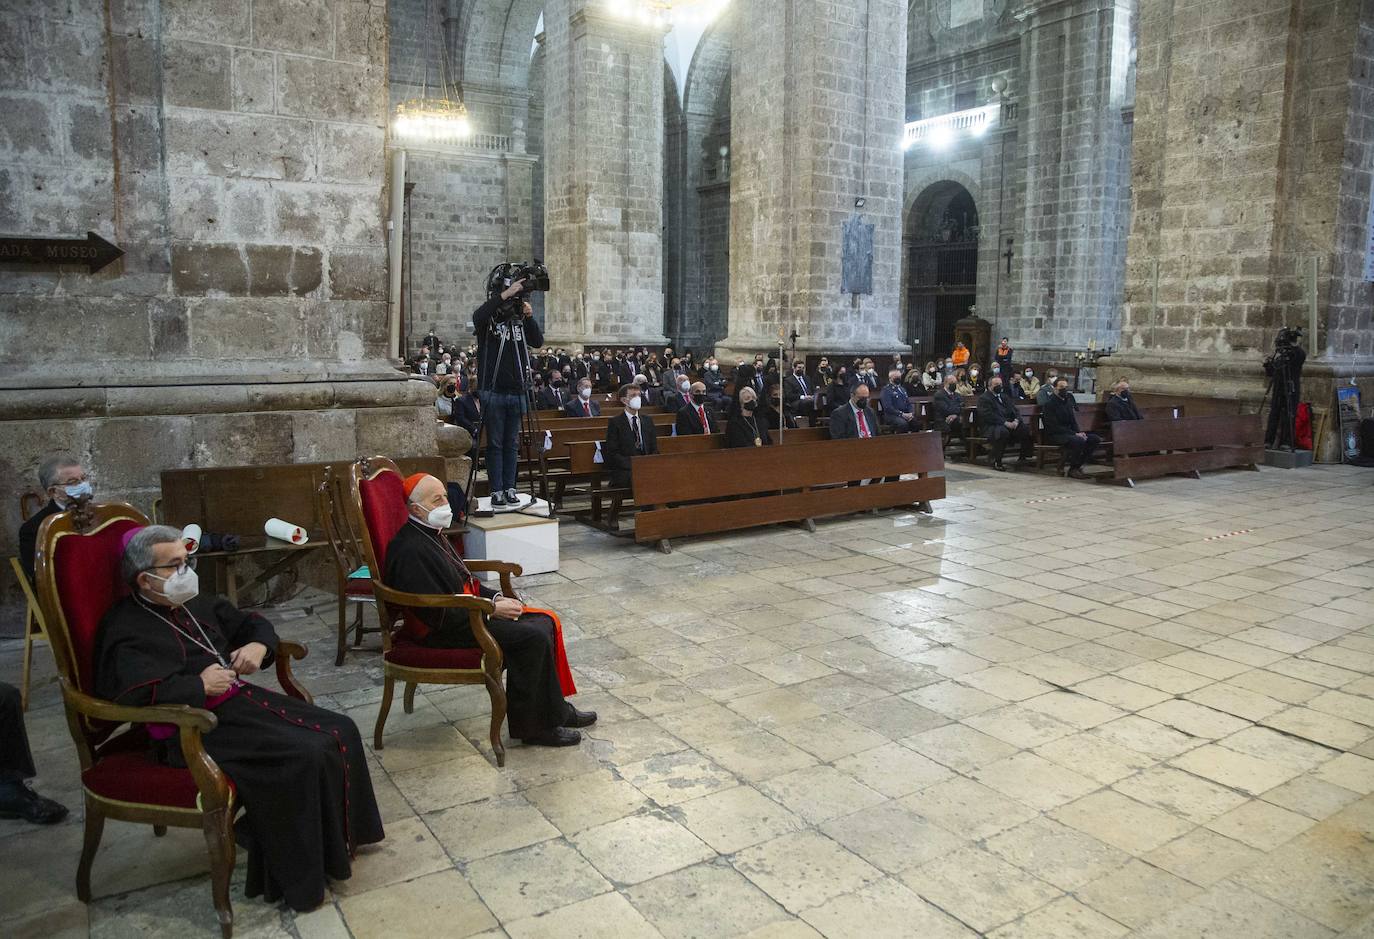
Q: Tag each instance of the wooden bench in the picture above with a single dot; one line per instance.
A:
(238, 500)
(582, 466)
(800, 486)
(1092, 419)
(1151, 448)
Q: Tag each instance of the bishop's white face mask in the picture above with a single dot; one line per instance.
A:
(633, 403)
(180, 588)
(439, 517)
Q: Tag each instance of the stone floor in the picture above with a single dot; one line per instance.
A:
(1052, 710)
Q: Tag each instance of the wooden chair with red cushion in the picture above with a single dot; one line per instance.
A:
(78, 576)
(350, 565)
(378, 504)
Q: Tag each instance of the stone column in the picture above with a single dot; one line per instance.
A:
(1077, 158)
(816, 122)
(1254, 141)
(603, 152)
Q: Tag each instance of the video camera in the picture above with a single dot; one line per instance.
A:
(533, 273)
(1288, 336)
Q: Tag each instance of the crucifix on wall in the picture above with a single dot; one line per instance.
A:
(1009, 254)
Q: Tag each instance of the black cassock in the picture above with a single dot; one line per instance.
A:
(418, 560)
(300, 771)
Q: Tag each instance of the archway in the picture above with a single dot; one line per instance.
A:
(941, 264)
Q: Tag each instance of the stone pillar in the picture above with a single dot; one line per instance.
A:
(816, 122)
(1077, 159)
(1254, 143)
(603, 177)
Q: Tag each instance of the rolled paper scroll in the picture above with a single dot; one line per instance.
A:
(190, 537)
(285, 531)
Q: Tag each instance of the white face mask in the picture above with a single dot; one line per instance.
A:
(440, 517)
(585, 393)
(685, 386)
(633, 403)
(181, 587)
(1030, 374)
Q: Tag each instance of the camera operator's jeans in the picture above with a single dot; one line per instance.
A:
(502, 412)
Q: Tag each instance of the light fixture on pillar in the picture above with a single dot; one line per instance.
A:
(429, 121)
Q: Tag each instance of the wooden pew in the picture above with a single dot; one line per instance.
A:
(238, 500)
(582, 465)
(1092, 419)
(802, 486)
(1150, 448)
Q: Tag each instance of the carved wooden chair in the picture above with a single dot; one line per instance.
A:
(350, 564)
(378, 507)
(78, 581)
(35, 628)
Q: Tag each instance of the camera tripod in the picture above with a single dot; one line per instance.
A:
(529, 436)
(1282, 397)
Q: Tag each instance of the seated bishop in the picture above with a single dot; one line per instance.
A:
(421, 559)
(300, 771)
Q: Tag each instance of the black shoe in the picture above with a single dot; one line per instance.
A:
(579, 718)
(498, 499)
(554, 737)
(19, 801)
(1077, 473)
(1000, 466)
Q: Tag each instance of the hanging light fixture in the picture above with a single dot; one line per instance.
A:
(667, 14)
(431, 121)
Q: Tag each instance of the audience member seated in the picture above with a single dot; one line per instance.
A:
(1042, 397)
(1060, 419)
(445, 364)
(1000, 424)
(867, 375)
(299, 771)
(422, 365)
(420, 559)
(964, 385)
(899, 414)
(627, 435)
(715, 383)
(1121, 406)
(443, 405)
(976, 380)
(695, 417)
(17, 800)
(467, 413)
(825, 373)
(930, 378)
(947, 411)
(960, 355)
(62, 479)
(744, 426)
(854, 418)
(582, 405)
(1030, 385)
(677, 396)
(837, 392)
(799, 393)
(770, 407)
(1014, 386)
(549, 397)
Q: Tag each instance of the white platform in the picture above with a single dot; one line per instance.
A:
(529, 538)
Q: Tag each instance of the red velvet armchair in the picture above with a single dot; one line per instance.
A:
(78, 578)
(379, 510)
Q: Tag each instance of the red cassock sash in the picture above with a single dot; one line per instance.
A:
(560, 654)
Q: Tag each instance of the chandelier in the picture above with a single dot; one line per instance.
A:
(431, 121)
(667, 14)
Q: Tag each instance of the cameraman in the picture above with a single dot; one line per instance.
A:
(503, 382)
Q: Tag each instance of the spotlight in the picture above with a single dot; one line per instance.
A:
(941, 137)
(859, 202)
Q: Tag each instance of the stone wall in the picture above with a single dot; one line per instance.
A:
(816, 110)
(235, 151)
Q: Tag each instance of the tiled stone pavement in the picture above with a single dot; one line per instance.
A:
(1069, 718)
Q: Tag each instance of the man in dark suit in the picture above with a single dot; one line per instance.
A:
(677, 395)
(1121, 406)
(582, 405)
(1061, 429)
(899, 413)
(799, 393)
(947, 411)
(550, 397)
(63, 480)
(1000, 423)
(854, 419)
(695, 416)
(466, 413)
(627, 436)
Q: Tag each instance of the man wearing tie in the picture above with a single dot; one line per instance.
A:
(854, 419)
(627, 436)
(693, 418)
(582, 405)
(799, 395)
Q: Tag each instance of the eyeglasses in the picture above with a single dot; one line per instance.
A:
(189, 563)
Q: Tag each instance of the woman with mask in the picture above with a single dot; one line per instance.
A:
(930, 379)
(744, 427)
(838, 392)
(962, 384)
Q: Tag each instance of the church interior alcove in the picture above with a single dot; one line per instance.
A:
(941, 260)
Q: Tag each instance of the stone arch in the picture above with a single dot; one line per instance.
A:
(940, 237)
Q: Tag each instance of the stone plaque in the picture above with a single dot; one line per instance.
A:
(964, 11)
(856, 266)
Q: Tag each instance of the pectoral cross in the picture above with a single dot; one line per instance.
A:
(1008, 254)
